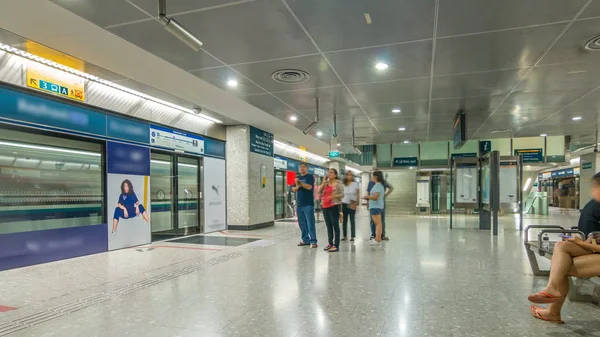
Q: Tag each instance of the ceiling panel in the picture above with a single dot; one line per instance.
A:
(391, 92)
(220, 76)
(328, 97)
(406, 60)
(472, 16)
(392, 125)
(178, 6)
(476, 84)
(569, 47)
(105, 12)
(344, 114)
(512, 49)
(593, 10)
(562, 77)
(341, 24)
(591, 102)
(470, 104)
(320, 73)
(266, 102)
(407, 109)
(151, 36)
(252, 31)
(536, 99)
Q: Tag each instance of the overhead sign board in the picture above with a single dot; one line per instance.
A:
(460, 129)
(334, 154)
(56, 82)
(464, 155)
(530, 155)
(261, 142)
(176, 140)
(406, 161)
(485, 146)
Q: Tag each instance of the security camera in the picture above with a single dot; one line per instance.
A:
(197, 111)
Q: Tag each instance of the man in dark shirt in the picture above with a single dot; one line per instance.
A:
(589, 220)
(388, 189)
(305, 202)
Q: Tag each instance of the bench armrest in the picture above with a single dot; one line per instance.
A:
(594, 234)
(559, 231)
(537, 227)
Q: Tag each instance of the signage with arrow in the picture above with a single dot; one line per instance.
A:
(55, 81)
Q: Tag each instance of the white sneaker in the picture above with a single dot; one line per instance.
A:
(374, 243)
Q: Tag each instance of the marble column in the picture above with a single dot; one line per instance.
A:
(249, 204)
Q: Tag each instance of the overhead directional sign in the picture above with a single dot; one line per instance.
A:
(530, 155)
(406, 161)
(334, 154)
(55, 81)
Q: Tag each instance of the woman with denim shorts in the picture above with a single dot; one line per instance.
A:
(376, 204)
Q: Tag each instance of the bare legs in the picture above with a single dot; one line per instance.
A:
(115, 224)
(145, 216)
(378, 227)
(568, 259)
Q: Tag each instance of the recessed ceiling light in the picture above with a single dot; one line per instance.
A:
(396, 110)
(319, 133)
(406, 142)
(577, 118)
(381, 66)
(293, 118)
(232, 83)
(338, 144)
(576, 72)
(401, 129)
(543, 135)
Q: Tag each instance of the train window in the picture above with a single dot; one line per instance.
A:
(48, 182)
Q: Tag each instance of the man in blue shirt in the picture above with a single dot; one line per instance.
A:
(305, 202)
(388, 189)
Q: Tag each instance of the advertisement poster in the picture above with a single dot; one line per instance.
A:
(128, 195)
(508, 184)
(215, 206)
(466, 185)
(485, 184)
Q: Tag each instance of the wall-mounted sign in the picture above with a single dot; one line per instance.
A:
(406, 161)
(261, 142)
(530, 155)
(586, 166)
(334, 154)
(319, 171)
(464, 155)
(176, 140)
(485, 146)
(280, 163)
(55, 81)
(302, 156)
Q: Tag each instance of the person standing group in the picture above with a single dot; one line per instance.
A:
(376, 206)
(349, 205)
(332, 192)
(305, 202)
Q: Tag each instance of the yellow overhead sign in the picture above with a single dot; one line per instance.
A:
(55, 81)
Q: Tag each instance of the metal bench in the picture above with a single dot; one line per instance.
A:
(532, 247)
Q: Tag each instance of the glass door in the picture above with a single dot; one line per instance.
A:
(161, 188)
(279, 194)
(188, 216)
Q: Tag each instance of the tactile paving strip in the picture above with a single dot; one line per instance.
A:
(67, 308)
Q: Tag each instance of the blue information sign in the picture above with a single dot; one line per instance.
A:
(261, 142)
(530, 155)
(485, 146)
(406, 161)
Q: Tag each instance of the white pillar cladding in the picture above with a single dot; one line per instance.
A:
(249, 204)
(589, 164)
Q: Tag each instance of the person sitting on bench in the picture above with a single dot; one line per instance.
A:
(573, 257)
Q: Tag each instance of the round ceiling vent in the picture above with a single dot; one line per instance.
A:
(593, 44)
(290, 76)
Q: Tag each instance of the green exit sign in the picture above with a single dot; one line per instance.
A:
(334, 154)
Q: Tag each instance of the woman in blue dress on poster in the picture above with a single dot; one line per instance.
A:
(128, 205)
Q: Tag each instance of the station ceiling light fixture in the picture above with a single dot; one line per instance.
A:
(176, 29)
(396, 110)
(401, 128)
(293, 118)
(381, 66)
(577, 118)
(319, 133)
(232, 83)
(406, 142)
(338, 144)
(543, 135)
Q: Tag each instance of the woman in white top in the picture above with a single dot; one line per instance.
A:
(349, 204)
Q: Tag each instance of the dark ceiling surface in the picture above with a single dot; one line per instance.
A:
(518, 67)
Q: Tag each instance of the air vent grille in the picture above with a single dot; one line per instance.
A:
(290, 76)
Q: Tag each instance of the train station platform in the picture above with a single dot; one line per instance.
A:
(426, 281)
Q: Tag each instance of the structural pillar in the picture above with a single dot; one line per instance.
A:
(250, 182)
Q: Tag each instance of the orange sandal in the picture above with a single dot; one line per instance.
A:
(535, 312)
(543, 297)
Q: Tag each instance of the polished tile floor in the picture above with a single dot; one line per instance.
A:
(426, 281)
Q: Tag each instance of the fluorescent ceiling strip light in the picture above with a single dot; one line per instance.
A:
(97, 79)
(51, 149)
(299, 151)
